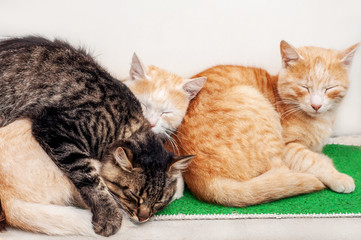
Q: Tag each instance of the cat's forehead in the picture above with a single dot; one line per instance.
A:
(152, 184)
(158, 76)
(158, 82)
(319, 65)
(314, 54)
(321, 60)
(161, 98)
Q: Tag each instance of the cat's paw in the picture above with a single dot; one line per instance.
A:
(341, 183)
(108, 223)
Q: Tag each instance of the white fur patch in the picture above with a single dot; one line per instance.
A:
(316, 99)
(321, 72)
(180, 188)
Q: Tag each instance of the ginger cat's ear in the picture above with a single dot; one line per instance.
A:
(138, 70)
(123, 157)
(347, 55)
(289, 54)
(193, 86)
(180, 163)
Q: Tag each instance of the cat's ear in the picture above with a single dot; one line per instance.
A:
(289, 54)
(347, 55)
(123, 156)
(180, 163)
(138, 70)
(193, 86)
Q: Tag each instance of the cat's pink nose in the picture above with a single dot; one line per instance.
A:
(152, 125)
(316, 106)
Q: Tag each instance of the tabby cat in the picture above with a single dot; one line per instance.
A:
(257, 138)
(57, 189)
(91, 126)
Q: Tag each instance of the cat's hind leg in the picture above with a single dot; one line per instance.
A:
(275, 184)
(65, 143)
(299, 158)
(2, 220)
(52, 219)
(48, 218)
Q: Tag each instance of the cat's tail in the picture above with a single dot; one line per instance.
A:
(272, 185)
(2, 220)
(52, 219)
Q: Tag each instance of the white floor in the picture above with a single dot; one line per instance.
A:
(278, 229)
(339, 228)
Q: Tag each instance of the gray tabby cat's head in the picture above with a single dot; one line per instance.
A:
(143, 179)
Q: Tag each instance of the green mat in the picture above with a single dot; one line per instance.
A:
(347, 159)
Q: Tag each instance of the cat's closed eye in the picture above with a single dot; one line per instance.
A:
(330, 88)
(305, 87)
(159, 206)
(165, 113)
(132, 196)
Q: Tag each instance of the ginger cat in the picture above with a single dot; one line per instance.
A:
(257, 138)
(164, 96)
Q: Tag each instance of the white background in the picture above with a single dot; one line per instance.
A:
(188, 36)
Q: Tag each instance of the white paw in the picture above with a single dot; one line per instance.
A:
(180, 188)
(341, 183)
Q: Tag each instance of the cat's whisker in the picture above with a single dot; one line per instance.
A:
(116, 198)
(291, 111)
(172, 142)
(294, 113)
(175, 145)
(173, 133)
(288, 112)
(179, 133)
(178, 140)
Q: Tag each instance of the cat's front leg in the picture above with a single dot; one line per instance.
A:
(69, 148)
(301, 159)
(83, 171)
(107, 215)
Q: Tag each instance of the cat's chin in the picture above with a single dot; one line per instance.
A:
(135, 219)
(315, 114)
(160, 131)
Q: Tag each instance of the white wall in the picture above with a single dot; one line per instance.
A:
(188, 36)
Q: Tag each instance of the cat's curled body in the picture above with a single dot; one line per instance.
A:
(91, 126)
(35, 194)
(254, 135)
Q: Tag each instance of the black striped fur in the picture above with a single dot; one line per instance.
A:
(80, 116)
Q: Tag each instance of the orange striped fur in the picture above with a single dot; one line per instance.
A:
(257, 137)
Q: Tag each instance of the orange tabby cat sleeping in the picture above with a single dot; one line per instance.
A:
(257, 137)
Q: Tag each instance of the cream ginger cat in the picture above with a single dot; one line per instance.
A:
(257, 138)
(164, 96)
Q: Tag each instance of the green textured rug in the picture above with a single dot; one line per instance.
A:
(347, 160)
